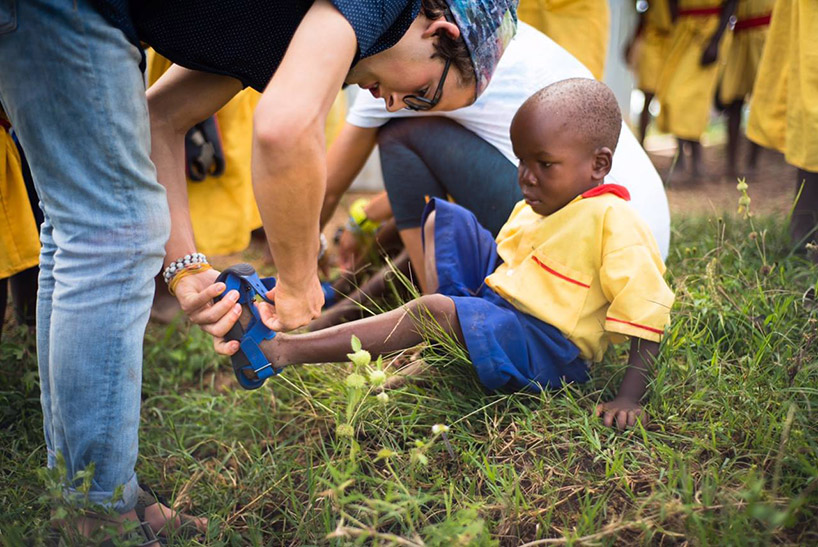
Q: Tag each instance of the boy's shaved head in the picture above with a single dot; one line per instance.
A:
(585, 106)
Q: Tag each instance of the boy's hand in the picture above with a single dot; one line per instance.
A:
(624, 412)
(349, 250)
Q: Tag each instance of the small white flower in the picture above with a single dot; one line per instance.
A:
(344, 430)
(377, 377)
(437, 429)
(360, 358)
(355, 380)
(385, 453)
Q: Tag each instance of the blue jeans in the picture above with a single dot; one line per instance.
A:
(71, 84)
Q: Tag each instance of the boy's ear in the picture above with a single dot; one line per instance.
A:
(603, 159)
(441, 25)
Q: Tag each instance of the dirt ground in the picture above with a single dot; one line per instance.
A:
(772, 185)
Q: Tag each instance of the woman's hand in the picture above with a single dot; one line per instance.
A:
(196, 293)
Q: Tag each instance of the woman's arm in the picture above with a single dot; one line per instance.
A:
(289, 164)
(177, 101)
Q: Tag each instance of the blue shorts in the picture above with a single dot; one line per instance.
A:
(510, 350)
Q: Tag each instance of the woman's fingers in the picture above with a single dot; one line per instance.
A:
(225, 347)
(225, 323)
(192, 299)
(212, 313)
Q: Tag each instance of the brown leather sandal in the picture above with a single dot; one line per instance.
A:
(187, 528)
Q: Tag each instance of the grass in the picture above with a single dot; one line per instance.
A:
(730, 456)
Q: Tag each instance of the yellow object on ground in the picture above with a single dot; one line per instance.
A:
(580, 26)
(223, 209)
(653, 45)
(19, 239)
(744, 55)
(686, 89)
(784, 107)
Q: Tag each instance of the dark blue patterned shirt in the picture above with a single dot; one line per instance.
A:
(247, 39)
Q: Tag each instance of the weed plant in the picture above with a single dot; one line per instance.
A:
(322, 456)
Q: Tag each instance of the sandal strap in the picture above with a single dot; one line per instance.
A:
(243, 278)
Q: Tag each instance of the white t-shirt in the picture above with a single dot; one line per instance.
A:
(531, 62)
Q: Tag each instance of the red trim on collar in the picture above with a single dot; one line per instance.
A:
(615, 189)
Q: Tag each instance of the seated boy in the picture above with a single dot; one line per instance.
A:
(573, 269)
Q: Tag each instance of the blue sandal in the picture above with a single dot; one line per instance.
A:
(252, 368)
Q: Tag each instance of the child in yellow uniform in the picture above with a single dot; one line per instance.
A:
(580, 26)
(651, 42)
(784, 106)
(19, 232)
(688, 82)
(741, 65)
(572, 270)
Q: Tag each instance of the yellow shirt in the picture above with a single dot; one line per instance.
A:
(19, 237)
(592, 270)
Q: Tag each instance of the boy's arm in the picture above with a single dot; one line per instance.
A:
(626, 409)
(711, 53)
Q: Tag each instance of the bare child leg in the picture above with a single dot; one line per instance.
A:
(733, 126)
(396, 330)
(350, 306)
(393, 331)
(644, 117)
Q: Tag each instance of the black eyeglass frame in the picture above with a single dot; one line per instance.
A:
(416, 103)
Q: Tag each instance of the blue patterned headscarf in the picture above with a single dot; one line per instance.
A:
(487, 26)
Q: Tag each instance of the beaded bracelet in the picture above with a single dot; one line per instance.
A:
(179, 264)
(190, 269)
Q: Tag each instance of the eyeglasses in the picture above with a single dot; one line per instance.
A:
(415, 102)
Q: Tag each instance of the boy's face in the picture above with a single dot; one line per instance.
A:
(556, 164)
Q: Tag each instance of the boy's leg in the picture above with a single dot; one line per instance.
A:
(71, 83)
(429, 262)
(644, 117)
(392, 331)
(804, 222)
(733, 126)
(352, 305)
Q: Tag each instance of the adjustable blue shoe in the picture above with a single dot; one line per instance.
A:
(252, 368)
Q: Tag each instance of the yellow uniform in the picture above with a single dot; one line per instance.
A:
(19, 239)
(581, 27)
(653, 45)
(223, 209)
(686, 89)
(744, 55)
(591, 269)
(784, 107)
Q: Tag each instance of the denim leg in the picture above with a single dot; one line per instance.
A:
(72, 87)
